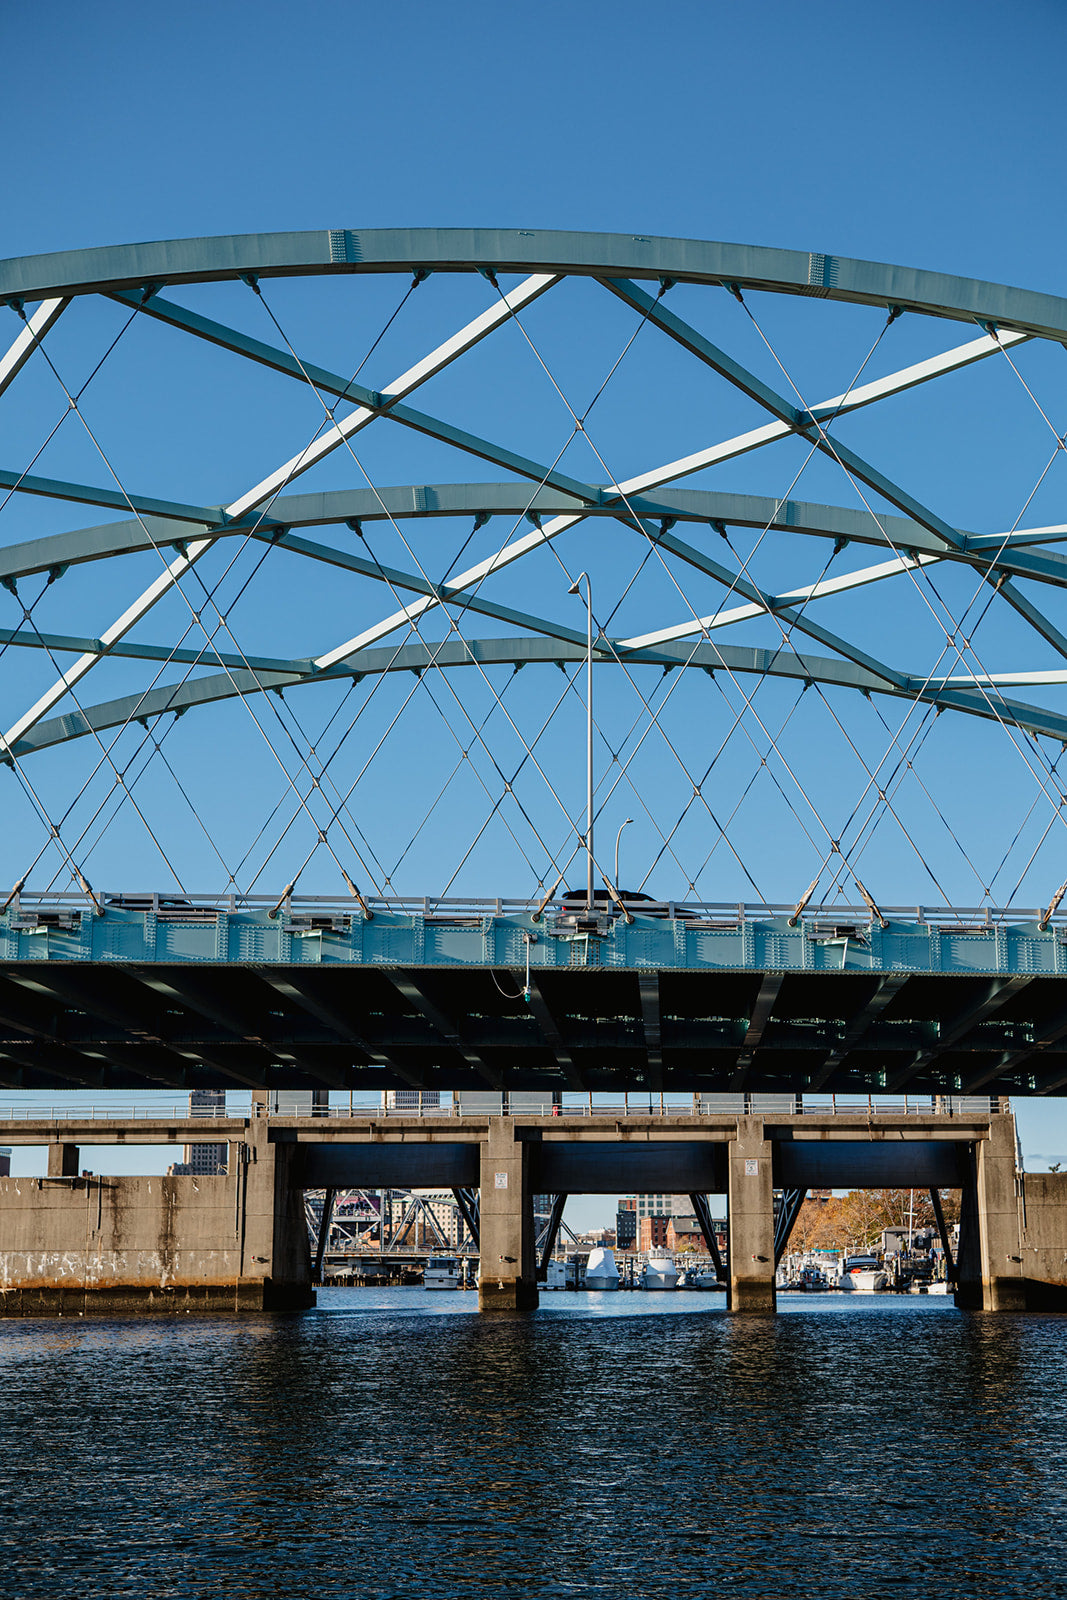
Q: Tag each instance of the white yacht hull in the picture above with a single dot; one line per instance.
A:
(659, 1272)
(863, 1282)
(441, 1275)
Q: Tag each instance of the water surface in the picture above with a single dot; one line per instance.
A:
(394, 1444)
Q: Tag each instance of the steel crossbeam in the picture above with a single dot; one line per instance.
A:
(634, 489)
(22, 348)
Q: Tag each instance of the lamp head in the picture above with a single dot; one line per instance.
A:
(574, 587)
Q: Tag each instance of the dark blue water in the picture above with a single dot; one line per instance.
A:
(392, 1443)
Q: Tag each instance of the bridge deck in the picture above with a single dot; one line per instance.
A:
(184, 994)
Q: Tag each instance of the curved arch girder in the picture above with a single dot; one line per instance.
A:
(350, 250)
(996, 553)
(520, 652)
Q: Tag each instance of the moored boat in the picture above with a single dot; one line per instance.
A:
(600, 1270)
(660, 1271)
(700, 1278)
(812, 1279)
(862, 1275)
(441, 1272)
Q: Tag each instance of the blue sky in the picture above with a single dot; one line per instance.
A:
(928, 135)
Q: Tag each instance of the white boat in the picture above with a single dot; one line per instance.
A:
(560, 1275)
(700, 1278)
(812, 1279)
(600, 1270)
(441, 1272)
(660, 1271)
(862, 1275)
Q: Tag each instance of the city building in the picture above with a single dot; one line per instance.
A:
(626, 1224)
(5, 1163)
(652, 1232)
(204, 1160)
(683, 1233)
(413, 1100)
(660, 1205)
(293, 1102)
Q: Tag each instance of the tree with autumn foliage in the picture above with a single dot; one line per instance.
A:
(854, 1222)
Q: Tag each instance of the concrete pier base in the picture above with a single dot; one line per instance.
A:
(508, 1280)
(989, 1269)
(750, 1212)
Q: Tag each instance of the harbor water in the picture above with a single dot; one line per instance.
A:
(392, 1443)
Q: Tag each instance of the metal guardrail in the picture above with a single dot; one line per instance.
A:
(195, 907)
(783, 1105)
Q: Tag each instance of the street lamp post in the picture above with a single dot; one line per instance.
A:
(618, 836)
(574, 589)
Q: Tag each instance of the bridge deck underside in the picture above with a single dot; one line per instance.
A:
(110, 1026)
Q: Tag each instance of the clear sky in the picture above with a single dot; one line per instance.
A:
(930, 135)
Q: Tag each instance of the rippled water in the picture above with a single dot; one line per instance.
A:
(391, 1443)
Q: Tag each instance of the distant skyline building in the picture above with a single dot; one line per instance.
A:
(204, 1160)
(659, 1205)
(413, 1100)
(5, 1162)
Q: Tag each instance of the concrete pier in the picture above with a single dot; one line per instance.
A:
(750, 1213)
(63, 1160)
(508, 1279)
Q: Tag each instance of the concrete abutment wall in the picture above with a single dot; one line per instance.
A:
(117, 1245)
(1013, 1232)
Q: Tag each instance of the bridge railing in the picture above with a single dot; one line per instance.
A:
(636, 1106)
(717, 914)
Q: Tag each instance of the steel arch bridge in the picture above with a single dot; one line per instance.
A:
(693, 579)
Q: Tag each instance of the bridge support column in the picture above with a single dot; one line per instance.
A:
(750, 1212)
(990, 1269)
(275, 1254)
(63, 1160)
(506, 1233)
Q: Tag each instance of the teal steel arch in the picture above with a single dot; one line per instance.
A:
(116, 268)
(257, 675)
(640, 273)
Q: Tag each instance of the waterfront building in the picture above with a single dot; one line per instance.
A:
(652, 1232)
